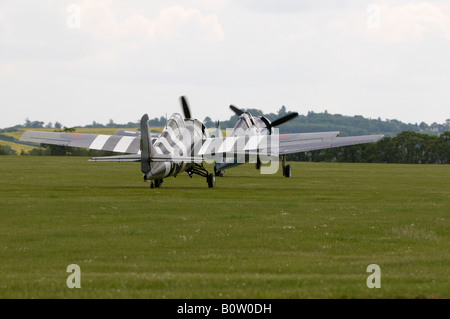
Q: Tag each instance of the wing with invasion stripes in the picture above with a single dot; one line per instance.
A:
(235, 145)
(115, 143)
(240, 144)
(281, 144)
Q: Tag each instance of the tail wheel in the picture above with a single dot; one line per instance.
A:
(287, 171)
(220, 173)
(211, 179)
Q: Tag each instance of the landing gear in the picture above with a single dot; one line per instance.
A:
(258, 163)
(157, 183)
(199, 169)
(287, 169)
(211, 179)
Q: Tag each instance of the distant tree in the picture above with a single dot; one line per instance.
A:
(132, 124)
(208, 122)
(6, 150)
(423, 126)
(34, 124)
(58, 125)
(111, 123)
(157, 122)
(282, 111)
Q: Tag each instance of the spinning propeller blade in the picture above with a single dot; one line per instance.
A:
(187, 112)
(284, 119)
(236, 110)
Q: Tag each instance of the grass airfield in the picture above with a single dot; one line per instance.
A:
(253, 236)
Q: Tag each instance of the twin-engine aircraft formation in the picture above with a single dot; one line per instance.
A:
(185, 144)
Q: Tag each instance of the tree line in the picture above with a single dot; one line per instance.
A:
(404, 143)
(311, 122)
(406, 148)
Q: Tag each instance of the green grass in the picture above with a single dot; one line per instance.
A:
(17, 147)
(253, 236)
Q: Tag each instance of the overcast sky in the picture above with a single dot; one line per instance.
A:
(81, 61)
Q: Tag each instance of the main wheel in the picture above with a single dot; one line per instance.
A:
(158, 182)
(287, 172)
(211, 179)
(258, 163)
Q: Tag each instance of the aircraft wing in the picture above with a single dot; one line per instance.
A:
(124, 132)
(302, 146)
(246, 143)
(313, 145)
(114, 143)
(286, 144)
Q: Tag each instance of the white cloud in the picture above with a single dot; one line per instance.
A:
(176, 22)
(107, 20)
(411, 22)
(302, 34)
(290, 6)
(144, 54)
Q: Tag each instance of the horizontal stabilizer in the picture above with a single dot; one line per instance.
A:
(152, 158)
(118, 158)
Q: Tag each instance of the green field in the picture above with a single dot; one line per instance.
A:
(253, 236)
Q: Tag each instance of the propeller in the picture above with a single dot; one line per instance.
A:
(236, 110)
(277, 122)
(284, 119)
(187, 112)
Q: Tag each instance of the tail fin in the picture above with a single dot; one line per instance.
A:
(219, 157)
(146, 146)
(218, 132)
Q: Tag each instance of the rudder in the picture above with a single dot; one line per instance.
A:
(146, 146)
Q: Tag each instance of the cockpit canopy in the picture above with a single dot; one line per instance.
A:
(245, 121)
(250, 124)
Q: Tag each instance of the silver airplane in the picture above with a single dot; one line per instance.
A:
(255, 125)
(184, 145)
(289, 143)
